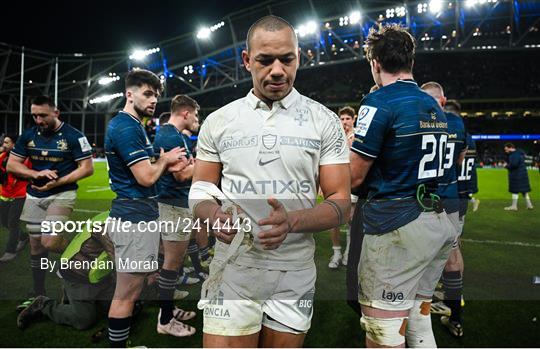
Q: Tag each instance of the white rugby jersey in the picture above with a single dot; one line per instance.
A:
(273, 153)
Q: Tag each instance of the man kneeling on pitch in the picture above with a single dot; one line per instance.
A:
(86, 268)
(399, 146)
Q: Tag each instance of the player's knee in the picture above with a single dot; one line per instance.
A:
(419, 332)
(453, 262)
(387, 332)
(50, 243)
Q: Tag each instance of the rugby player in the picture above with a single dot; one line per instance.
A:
(133, 172)
(12, 196)
(468, 184)
(347, 117)
(271, 150)
(60, 156)
(452, 278)
(401, 136)
(173, 189)
(518, 178)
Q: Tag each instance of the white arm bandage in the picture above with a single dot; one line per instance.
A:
(202, 191)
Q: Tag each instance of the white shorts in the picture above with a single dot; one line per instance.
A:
(396, 266)
(37, 210)
(249, 298)
(135, 250)
(461, 224)
(455, 220)
(175, 222)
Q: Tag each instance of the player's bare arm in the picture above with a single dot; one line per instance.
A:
(147, 173)
(85, 169)
(16, 166)
(359, 169)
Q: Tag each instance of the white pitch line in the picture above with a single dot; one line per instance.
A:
(84, 210)
(507, 243)
(97, 189)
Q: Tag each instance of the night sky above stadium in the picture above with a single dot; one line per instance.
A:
(102, 26)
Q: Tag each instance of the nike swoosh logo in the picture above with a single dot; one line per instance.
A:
(262, 163)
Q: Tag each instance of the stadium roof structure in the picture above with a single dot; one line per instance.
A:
(208, 59)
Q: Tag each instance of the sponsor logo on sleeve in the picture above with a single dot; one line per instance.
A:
(365, 116)
(85, 146)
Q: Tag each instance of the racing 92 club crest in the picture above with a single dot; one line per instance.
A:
(269, 141)
(269, 152)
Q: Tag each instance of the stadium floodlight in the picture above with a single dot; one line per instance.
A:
(108, 79)
(390, 13)
(422, 7)
(471, 3)
(141, 54)
(435, 6)
(106, 98)
(307, 29)
(354, 17)
(205, 32)
(188, 69)
(401, 11)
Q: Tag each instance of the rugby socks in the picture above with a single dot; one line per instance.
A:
(515, 200)
(38, 273)
(346, 252)
(167, 284)
(119, 331)
(204, 253)
(193, 253)
(337, 250)
(453, 289)
(528, 200)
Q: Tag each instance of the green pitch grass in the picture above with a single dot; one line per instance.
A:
(501, 251)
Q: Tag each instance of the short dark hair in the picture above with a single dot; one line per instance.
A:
(42, 100)
(453, 106)
(140, 77)
(393, 47)
(164, 118)
(182, 101)
(347, 110)
(509, 145)
(269, 23)
(13, 137)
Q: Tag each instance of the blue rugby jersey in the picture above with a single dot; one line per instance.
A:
(170, 191)
(448, 187)
(404, 131)
(467, 179)
(126, 143)
(60, 150)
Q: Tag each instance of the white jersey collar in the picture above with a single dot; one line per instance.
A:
(254, 102)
